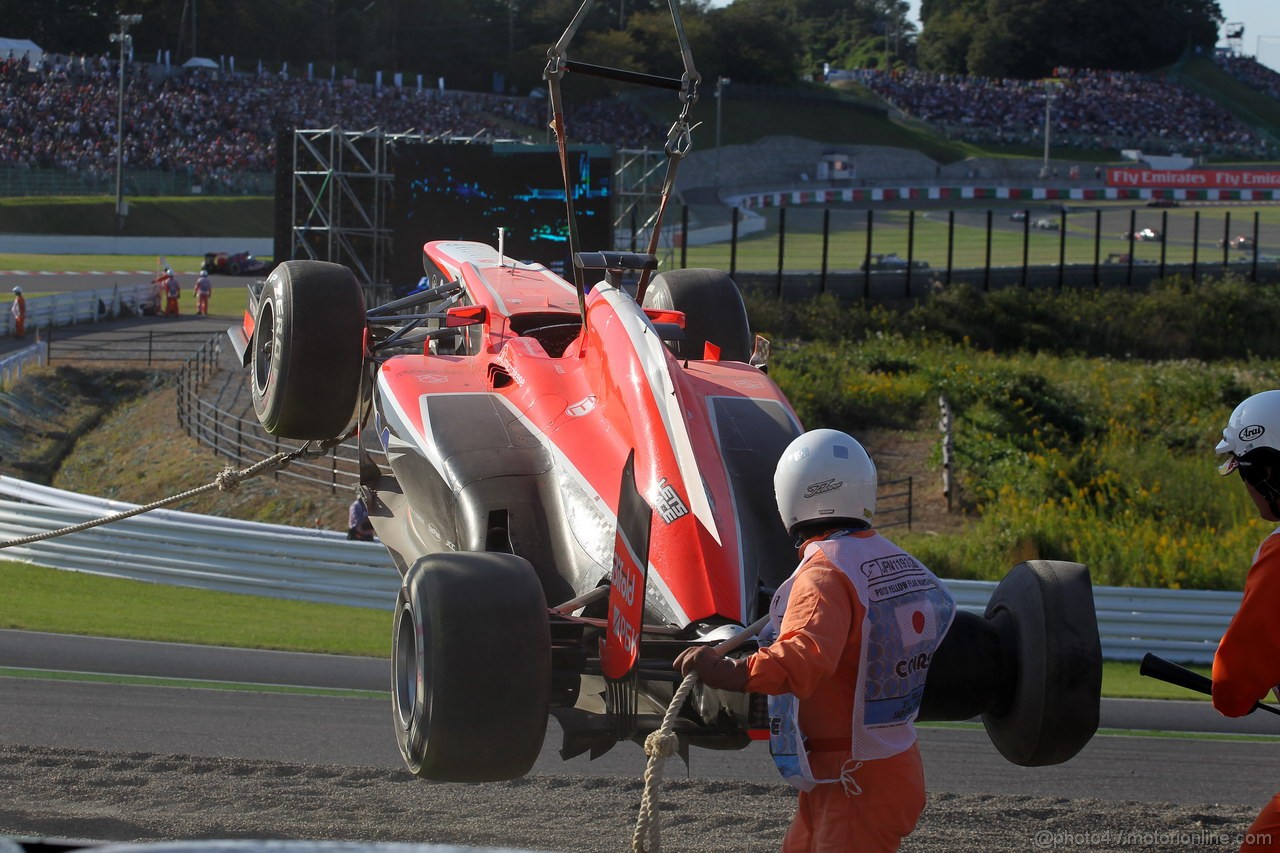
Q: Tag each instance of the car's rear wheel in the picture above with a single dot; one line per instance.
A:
(471, 667)
(713, 310)
(308, 350)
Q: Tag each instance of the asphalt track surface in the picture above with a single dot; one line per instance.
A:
(356, 730)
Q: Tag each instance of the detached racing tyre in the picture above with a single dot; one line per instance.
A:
(308, 350)
(713, 310)
(1030, 666)
(471, 667)
(1046, 607)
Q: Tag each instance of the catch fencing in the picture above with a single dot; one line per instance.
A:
(884, 254)
(207, 552)
(244, 442)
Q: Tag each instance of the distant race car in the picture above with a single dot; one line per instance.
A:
(1145, 235)
(1046, 224)
(1163, 202)
(241, 263)
(1240, 241)
(892, 261)
(1124, 258)
(1018, 216)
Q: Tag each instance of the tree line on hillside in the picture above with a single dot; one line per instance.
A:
(500, 45)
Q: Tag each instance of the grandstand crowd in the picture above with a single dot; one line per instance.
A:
(218, 126)
(1253, 73)
(1089, 109)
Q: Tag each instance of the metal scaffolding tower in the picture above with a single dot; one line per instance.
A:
(341, 188)
(343, 185)
(637, 179)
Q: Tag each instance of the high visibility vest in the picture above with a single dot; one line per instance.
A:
(908, 612)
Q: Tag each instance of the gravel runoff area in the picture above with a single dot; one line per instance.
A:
(83, 794)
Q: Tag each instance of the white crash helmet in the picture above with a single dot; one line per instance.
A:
(825, 474)
(1254, 425)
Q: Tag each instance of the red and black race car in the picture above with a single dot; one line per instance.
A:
(574, 481)
(240, 263)
(573, 495)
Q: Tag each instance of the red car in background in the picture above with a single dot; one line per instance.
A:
(241, 263)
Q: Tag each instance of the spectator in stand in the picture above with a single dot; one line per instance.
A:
(217, 127)
(1091, 109)
(1253, 73)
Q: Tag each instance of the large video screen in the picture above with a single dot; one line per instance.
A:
(467, 192)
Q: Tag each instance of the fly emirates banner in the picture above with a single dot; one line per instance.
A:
(1193, 179)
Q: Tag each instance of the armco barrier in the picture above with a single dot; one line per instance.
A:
(203, 551)
(188, 549)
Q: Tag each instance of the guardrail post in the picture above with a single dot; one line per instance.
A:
(826, 242)
(1062, 247)
(1195, 246)
(1133, 224)
(986, 267)
(733, 245)
(911, 248)
(911, 500)
(1164, 239)
(782, 244)
(866, 263)
(1253, 273)
(1097, 246)
(1026, 244)
(150, 336)
(182, 401)
(951, 241)
(333, 476)
(1226, 240)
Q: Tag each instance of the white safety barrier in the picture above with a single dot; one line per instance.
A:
(313, 565)
(86, 306)
(13, 364)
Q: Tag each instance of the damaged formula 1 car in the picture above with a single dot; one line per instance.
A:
(574, 480)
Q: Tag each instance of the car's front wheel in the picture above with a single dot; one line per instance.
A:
(471, 667)
(713, 309)
(308, 350)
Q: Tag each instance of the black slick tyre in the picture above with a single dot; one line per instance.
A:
(713, 309)
(308, 350)
(1046, 608)
(471, 665)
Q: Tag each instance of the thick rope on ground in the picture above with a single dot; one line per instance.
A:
(227, 480)
(658, 746)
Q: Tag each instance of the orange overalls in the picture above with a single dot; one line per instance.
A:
(19, 310)
(1247, 666)
(816, 658)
